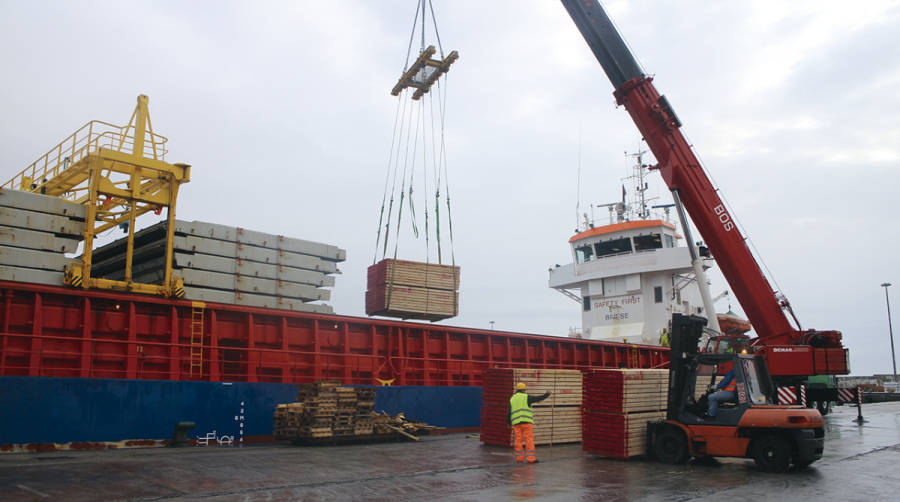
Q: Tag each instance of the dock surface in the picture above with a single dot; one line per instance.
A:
(859, 464)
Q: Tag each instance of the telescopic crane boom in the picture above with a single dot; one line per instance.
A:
(683, 174)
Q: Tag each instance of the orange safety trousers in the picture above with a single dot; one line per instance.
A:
(524, 433)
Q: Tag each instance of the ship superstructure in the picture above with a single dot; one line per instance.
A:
(631, 274)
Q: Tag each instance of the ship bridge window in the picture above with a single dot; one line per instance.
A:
(645, 242)
(584, 253)
(670, 242)
(615, 246)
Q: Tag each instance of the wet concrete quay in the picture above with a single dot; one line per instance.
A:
(860, 463)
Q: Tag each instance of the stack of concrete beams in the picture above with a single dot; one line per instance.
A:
(36, 232)
(231, 265)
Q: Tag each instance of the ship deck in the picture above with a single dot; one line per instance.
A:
(858, 464)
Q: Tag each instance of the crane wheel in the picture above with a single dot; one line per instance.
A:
(670, 446)
(772, 453)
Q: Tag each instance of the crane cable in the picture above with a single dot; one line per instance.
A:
(397, 177)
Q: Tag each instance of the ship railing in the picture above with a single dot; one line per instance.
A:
(269, 364)
(88, 139)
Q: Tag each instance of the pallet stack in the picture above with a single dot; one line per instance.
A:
(326, 409)
(231, 265)
(412, 290)
(288, 418)
(36, 232)
(557, 418)
(618, 403)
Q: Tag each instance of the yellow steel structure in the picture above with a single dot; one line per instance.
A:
(119, 173)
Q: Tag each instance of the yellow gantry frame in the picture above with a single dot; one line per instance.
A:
(95, 167)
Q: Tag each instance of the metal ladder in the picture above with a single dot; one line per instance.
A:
(196, 354)
(635, 358)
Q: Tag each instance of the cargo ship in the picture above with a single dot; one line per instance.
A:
(202, 322)
(630, 274)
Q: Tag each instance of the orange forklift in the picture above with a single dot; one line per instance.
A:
(752, 426)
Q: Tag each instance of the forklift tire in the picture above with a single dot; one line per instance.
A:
(772, 453)
(670, 446)
(823, 407)
(802, 464)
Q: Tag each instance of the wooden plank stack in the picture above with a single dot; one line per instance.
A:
(326, 409)
(412, 290)
(617, 405)
(557, 418)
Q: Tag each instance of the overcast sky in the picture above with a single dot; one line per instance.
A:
(284, 111)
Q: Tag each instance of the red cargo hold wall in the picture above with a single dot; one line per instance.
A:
(64, 332)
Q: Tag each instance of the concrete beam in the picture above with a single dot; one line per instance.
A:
(260, 239)
(23, 218)
(253, 300)
(29, 258)
(252, 269)
(231, 282)
(252, 253)
(31, 239)
(32, 275)
(41, 203)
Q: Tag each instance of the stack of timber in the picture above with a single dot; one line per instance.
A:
(36, 232)
(412, 290)
(618, 403)
(557, 419)
(326, 409)
(231, 265)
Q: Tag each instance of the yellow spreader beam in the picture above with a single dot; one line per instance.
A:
(120, 174)
(424, 72)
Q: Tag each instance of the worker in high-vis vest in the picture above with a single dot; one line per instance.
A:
(724, 391)
(521, 417)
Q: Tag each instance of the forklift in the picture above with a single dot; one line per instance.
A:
(753, 426)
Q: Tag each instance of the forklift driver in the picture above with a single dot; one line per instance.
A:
(724, 391)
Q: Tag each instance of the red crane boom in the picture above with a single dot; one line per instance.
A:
(682, 172)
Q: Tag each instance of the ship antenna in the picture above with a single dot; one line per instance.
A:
(578, 198)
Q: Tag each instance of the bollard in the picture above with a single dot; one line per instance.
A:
(859, 416)
(179, 435)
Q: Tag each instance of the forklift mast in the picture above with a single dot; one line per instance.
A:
(685, 336)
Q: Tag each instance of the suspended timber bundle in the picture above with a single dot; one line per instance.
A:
(557, 419)
(618, 403)
(424, 289)
(412, 290)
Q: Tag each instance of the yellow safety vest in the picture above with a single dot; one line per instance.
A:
(521, 412)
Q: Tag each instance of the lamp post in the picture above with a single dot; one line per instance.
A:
(890, 328)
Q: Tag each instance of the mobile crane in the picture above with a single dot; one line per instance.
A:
(792, 354)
